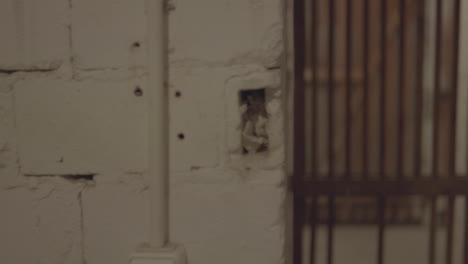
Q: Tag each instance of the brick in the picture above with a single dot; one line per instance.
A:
(104, 32)
(40, 223)
(8, 151)
(111, 235)
(228, 222)
(224, 30)
(199, 114)
(80, 127)
(34, 34)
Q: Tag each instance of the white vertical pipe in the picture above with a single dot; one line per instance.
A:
(158, 166)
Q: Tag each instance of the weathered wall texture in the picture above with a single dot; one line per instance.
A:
(226, 207)
(73, 185)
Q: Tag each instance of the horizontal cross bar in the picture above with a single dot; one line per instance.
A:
(440, 186)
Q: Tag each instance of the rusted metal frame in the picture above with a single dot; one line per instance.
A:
(348, 88)
(331, 127)
(299, 152)
(401, 93)
(423, 186)
(365, 112)
(419, 89)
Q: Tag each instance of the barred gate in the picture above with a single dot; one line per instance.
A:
(379, 123)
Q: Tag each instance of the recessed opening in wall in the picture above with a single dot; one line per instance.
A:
(254, 121)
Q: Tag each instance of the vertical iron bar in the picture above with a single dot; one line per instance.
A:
(331, 89)
(331, 132)
(381, 200)
(466, 231)
(432, 234)
(365, 137)
(419, 89)
(456, 25)
(298, 214)
(450, 219)
(401, 99)
(298, 223)
(331, 226)
(454, 87)
(313, 228)
(299, 89)
(435, 144)
(348, 88)
(383, 86)
(313, 52)
(381, 204)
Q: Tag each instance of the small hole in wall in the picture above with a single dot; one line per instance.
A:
(178, 94)
(254, 120)
(136, 44)
(138, 91)
(181, 136)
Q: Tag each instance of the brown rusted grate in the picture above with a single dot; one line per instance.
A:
(375, 118)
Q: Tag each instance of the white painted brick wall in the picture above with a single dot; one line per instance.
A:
(34, 34)
(68, 69)
(225, 208)
(103, 32)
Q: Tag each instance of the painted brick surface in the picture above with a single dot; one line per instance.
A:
(104, 31)
(34, 34)
(41, 222)
(67, 127)
(68, 70)
(115, 218)
(219, 48)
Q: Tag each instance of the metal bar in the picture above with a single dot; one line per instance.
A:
(365, 135)
(449, 245)
(381, 229)
(454, 88)
(419, 89)
(331, 89)
(348, 88)
(466, 231)
(299, 152)
(331, 132)
(423, 186)
(313, 229)
(432, 234)
(383, 79)
(298, 223)
(435, 143)
(313, 52)
(401, 100)
(451, 199)
(331, 226)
